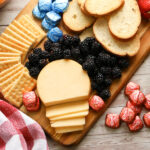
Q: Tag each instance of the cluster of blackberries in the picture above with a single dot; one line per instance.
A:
(101, 66)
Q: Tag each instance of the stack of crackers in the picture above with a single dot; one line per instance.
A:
(16, 41)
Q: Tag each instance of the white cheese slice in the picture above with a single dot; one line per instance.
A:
(70, 116)
(63, 81)
(66, 108)
(69, 122)
(69, 129)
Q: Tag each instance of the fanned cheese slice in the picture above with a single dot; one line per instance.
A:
(69, 129)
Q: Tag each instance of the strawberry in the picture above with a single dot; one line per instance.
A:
(96, 103)
(145, 8)
(147, 102)
(146, 119)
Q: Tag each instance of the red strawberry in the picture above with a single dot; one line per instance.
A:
(96, 103)
(112, 121)
(136, 125)
(127, 115)
(131, 86)
(147, 102)
(137, 98)
(144, 8)
(136, 109)
(36, 107)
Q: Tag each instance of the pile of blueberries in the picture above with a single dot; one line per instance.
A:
(101, 66)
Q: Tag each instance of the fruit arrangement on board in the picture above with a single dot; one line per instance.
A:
(72, 74)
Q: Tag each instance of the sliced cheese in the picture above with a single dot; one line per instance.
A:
(69, 129)
(69, 122)
(63, 81)
(67, 108)
(70, 116)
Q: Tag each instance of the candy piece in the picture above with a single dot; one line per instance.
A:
(31, 101)
(147, 102)
(46, 25)
(52, 18)
(55, 34)
(127, 115)
(36, 107)
(136, 125)
(131, 86)
(112, 121)
(45, 5)
(146, 119)
(59, 6)
(37, 13)
(136, 109)
(96, 103)
(137, 97)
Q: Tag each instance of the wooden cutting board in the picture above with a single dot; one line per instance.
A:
(74, 138)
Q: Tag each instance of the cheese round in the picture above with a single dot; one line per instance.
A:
(63, 81)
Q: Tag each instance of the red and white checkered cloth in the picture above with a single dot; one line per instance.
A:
(18, 131)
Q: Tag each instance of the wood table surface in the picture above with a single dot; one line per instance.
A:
(99, 137)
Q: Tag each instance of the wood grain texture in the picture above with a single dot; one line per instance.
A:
(100, 136)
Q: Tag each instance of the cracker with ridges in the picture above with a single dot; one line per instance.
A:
(17, 36)
(7, 54)
(14, 40)
(8, 58)
(21, 33)
(30, 25)
(6, 48)
(25, 30)
(6, 71)
(10, 73)
(12, 44)
(23, 84)
(7, 64)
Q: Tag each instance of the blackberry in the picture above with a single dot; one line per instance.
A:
(95, 48)
(56, 53)
(84, 48)
(107, 82)
(90, 57)
(67, 40)
(94, 85)
(99, 78)
(42, 63)
(56, 45)
(93, 73)
(47, 45)
(113, 61)
(123, 63)
(89, 41)
(27, 65)
(116, 72)
(44, 55)
(75, 41)
(33, 58)
(80, 60)
(105, 70)
(105, 94)
(34, 72)
(88, 65)
(67, 53)
(75, 52)
(37, 51)
(104, 58)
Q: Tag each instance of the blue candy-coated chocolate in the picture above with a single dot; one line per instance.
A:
(36, 13)
(46, 25)
(45, 5)
(55, 34)
(52, 18)
(59, 6)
